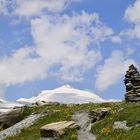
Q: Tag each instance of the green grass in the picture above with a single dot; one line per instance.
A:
(56, 113)
(69, 135)
(131, 113)
(103, 129)
(125, 111)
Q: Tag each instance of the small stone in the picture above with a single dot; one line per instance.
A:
(121, 125)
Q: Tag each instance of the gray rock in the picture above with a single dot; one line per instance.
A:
(98, 114)
(133, 98)
(54, 130)
(10, 118)
(41, 103)
(132, 83)
(137, 87)
(121, 125)
(83, 120)
(15, 129)
(129, 86)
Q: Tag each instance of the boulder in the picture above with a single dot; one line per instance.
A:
(57, 129)
(98, 114)
(9, 118)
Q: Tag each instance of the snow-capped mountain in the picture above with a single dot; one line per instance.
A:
(7, 106)
(65, 94)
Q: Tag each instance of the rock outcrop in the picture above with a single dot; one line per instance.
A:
(98, 114)
(10, 118)
(132, 83)
(57, 129)
(18, 127)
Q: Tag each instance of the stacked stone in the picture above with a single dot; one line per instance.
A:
(132, 83)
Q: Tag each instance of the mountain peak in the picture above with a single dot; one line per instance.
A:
(65, 94)
(66, 86)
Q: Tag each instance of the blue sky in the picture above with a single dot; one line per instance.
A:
(48, 43)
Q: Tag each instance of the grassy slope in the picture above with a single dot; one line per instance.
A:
(126, 111)
(103, 129)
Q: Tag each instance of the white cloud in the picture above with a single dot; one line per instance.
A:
(112, 70)
(30, 8)
(3, 6)
(130, 51)
(59, 41)
(132, 15)
(116, 39)
(64, 46)
(21, 67)
(67, 40)
(37, 7)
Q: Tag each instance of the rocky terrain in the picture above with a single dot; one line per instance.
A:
(16, 129)
(78, 120)
(10, 118)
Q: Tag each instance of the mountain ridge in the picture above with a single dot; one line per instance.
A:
(65, 94)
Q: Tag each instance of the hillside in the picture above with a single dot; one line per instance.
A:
(102, 129)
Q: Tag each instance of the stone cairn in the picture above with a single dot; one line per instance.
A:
(132, 83)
